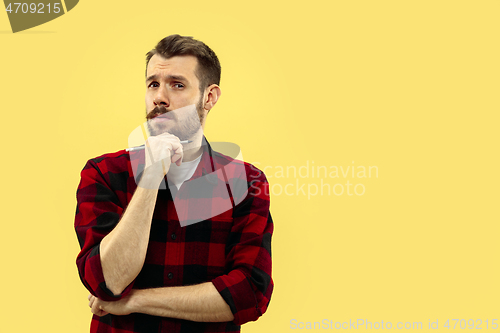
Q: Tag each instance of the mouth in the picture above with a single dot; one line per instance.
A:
(160, 116)
(164, 115)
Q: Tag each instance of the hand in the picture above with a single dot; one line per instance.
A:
(161, 151)
(101, 308)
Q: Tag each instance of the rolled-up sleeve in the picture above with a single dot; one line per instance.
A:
(248, 285)
(98, 212)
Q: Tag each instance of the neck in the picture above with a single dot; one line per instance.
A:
(193, 149)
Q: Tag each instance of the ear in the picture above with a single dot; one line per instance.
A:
(212, 94)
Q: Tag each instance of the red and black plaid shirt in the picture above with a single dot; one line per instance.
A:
(232, 249)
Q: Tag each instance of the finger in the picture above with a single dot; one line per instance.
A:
(102, 313)
(96, 306)
(91, 301)
(177, 155)
(93, 308)
(99, 313)
(164, 152)
(155, 149)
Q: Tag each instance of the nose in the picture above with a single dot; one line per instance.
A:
(161, 98)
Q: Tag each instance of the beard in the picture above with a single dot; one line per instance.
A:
(185, 128)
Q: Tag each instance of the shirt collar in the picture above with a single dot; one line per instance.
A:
(207, 164)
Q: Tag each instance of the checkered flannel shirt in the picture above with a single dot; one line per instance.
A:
(232, 249)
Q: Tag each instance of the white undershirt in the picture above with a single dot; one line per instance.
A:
(179, 174)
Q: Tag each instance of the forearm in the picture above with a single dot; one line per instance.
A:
(124, 249)
(200, 302)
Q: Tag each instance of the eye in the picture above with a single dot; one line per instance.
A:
(178, 85)
(153, 84)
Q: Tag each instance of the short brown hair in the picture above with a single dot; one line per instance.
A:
(208, 70)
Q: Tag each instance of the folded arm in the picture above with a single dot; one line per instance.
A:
(124, 249)
(114, 241)
(200, 302)
(248, 285)
(241, 295)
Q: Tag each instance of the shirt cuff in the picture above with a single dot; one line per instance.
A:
(237, 291)
(94, 278)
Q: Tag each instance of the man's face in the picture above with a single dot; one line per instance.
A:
(172, 84)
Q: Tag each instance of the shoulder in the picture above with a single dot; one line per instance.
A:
(111, 162)
(113, 169)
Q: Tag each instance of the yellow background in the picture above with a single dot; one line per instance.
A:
(408, 86)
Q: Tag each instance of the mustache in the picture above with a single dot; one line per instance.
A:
(157, 111)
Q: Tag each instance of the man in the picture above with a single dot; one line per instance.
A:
(170, 241)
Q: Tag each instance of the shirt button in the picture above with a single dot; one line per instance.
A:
(174, 236)
(170, 275)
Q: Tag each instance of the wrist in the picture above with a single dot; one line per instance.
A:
(134, 300)
(151, 177)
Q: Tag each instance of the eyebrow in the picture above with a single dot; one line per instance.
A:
(168, 77)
